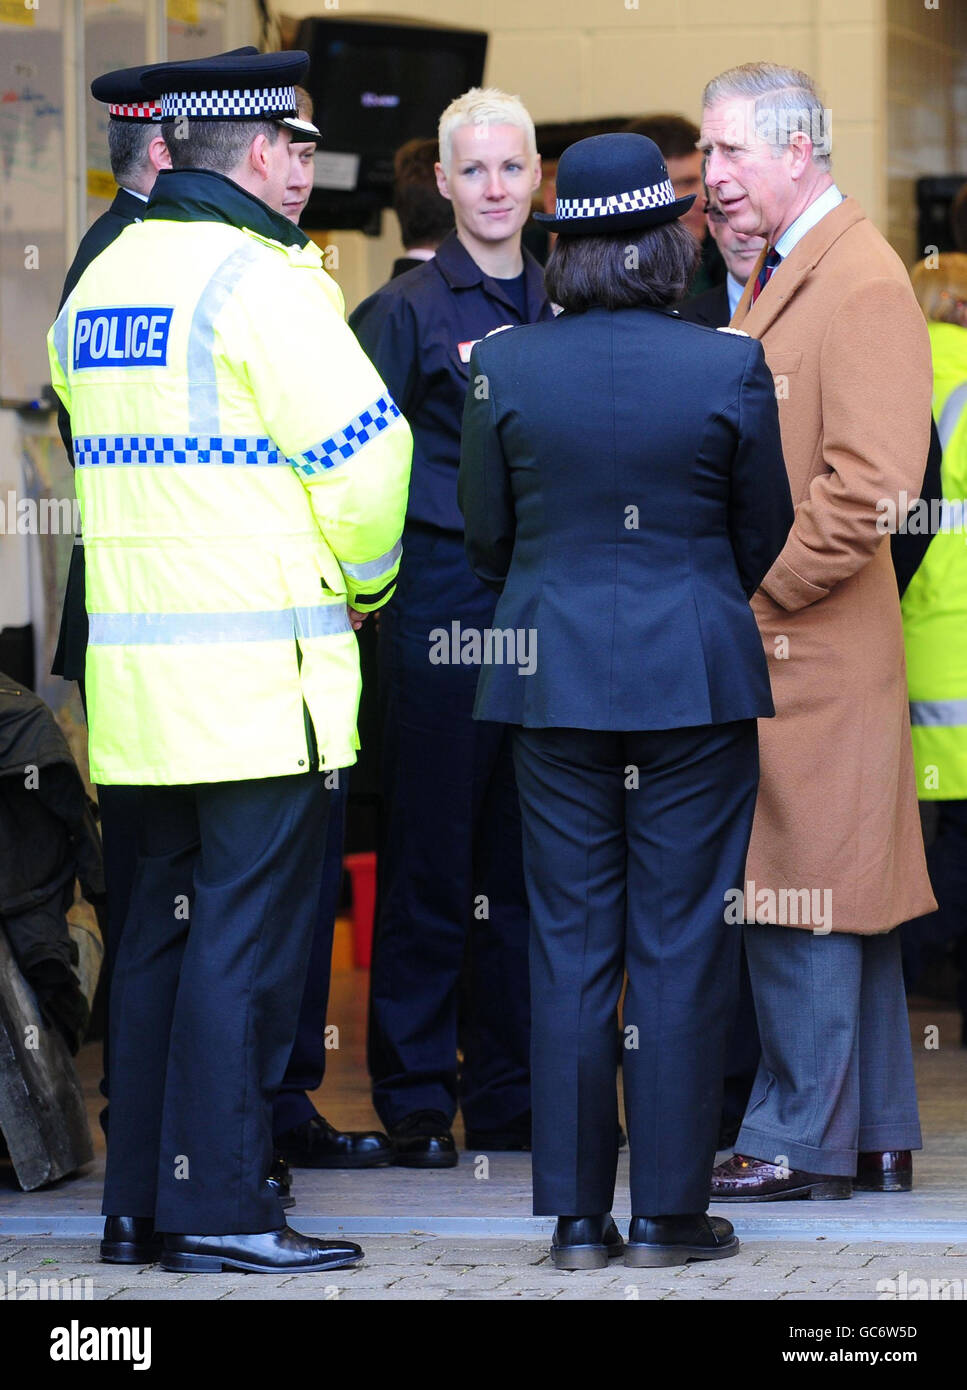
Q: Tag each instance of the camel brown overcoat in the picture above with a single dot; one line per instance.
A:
(837, 807)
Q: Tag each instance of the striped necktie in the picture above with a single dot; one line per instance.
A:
(765, 274)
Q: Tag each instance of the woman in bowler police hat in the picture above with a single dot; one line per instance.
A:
(624, 491)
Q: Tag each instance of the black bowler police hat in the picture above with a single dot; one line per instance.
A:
(230, 87)
(125, 95)
(608, 183)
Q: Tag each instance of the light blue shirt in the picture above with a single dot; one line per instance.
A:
(734, 291)
(807, 220)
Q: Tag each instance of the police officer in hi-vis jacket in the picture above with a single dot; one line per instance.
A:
(236, 524)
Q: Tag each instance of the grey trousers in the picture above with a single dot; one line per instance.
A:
(836, 1075)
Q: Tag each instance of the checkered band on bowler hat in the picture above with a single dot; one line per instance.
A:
(612, 183)
(230, 87)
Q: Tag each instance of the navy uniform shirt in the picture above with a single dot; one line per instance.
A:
(419, 331)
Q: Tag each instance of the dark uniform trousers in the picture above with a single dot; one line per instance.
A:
(632, 877)
(451, 876)
(205, 998)
(307, 1063)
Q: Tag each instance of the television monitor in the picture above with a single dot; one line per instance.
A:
(374, 86)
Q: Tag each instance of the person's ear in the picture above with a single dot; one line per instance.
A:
(159, 154)
(800, 153)
(258, 156)
(441, 181)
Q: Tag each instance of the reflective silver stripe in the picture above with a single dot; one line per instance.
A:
(169, 450)
(373, 569)
(60, 337)
(952, 414)
(938, 713)
(202, 387)
(174, 629)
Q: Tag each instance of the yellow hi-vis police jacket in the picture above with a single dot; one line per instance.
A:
(242, 475)
(934, 606)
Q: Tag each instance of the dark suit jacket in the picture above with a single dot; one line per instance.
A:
(711, 308)
(69, 658)
(623, 488)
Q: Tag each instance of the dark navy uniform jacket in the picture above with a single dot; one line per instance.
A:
(623, 487)
(71, 653)
(418, 331)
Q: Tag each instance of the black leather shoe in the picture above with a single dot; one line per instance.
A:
(741, 1179)
(130, 1240)
(423, 1140)
(674, 1240)
(890, 1171)
(268, 1252)
(315, 1144)
(280, 1181)
(585, 1242)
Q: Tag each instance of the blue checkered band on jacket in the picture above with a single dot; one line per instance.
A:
(349, 440)
(227, 103)
(656, 195)
(160, 450)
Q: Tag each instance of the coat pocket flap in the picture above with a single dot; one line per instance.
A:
(782, 363)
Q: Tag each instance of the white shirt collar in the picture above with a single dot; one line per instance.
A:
(805, 222)
(734, 290)
(135, 194)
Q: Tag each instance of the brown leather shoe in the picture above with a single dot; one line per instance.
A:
(891, 1171)
(741, 1179)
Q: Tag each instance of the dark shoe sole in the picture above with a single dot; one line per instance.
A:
(641, 1256)
(178, 1262)
(833, 1191)
(585, 1256)
(123, 1252)
(444, 1160)
(890, 1184)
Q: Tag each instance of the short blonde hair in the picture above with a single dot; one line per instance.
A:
(484, 106)
(940, 284)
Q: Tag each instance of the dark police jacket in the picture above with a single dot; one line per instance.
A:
(69, 658)
(418, 331)
(623, 487)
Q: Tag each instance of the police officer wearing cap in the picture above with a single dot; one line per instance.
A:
(237, 526)
(623, 490)
(451, 884)
(138, 153)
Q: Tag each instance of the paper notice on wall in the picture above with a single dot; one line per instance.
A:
(331, 170)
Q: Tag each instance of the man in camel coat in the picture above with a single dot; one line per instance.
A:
(836, 859)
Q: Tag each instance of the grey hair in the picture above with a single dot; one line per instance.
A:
(127, 143)
(786, 101)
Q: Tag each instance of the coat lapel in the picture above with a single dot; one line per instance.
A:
(756, 318)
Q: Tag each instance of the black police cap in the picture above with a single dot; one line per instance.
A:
(127, 98)
(230, 88)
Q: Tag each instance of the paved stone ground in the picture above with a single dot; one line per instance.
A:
(437, 1267)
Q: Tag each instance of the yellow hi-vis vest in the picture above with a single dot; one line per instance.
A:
(242, 475)
(934, 606)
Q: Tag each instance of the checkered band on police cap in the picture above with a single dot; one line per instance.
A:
(656, 195)
(231, 104)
